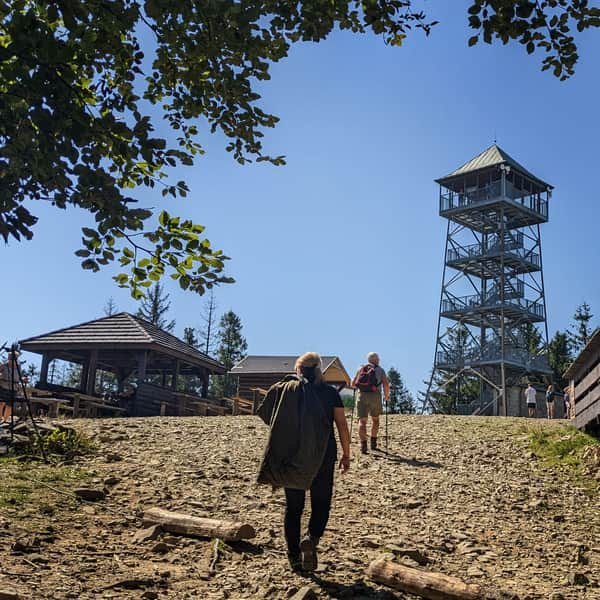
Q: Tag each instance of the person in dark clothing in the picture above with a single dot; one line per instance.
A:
(324, 402)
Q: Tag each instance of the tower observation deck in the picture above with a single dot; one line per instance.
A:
(492, 329)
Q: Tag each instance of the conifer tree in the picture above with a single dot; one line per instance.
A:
(401, 400)
(559, 357)
(155, 307)
(581, 330)
(189, 337)
(232, 348)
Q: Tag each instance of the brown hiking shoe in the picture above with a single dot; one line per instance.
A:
(363, 446)
(373, 443)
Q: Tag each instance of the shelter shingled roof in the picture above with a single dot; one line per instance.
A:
(492, 157)
(119, 331)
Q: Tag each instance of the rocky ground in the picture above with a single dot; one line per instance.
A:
(462, 496)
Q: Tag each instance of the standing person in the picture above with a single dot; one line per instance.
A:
(530, 398)
(368, 380)
(301, 453)
(550, 401)
(567, 403)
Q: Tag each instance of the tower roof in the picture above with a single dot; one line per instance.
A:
(491, 157)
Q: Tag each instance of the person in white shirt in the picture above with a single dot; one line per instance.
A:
(530, 398)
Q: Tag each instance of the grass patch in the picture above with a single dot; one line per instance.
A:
(62, 443)
(558, 446)
(25, 488)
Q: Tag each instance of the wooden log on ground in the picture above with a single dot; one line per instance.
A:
(433, 586)
(173, 522)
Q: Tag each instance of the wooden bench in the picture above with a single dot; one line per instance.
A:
(54, 405)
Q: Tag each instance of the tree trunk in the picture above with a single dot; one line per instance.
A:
(433, 586)
(198, 526)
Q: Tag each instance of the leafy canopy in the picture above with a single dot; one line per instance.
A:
(76, 91)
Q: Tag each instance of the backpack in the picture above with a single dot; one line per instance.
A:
(366, 380)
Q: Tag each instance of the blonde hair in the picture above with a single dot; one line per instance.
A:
(372, 356)
(310, 360)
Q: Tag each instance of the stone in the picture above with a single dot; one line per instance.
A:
(6, 594)
(147, 534)
(90, 494)
(304, 593)
(161, 548)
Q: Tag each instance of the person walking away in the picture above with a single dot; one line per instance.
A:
(530, 398)
(550, 402)
(301, 453)
(369, 380)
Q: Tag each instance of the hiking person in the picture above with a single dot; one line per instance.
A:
(530, 398)
(368, 381)
(550, 402)
(301, 452)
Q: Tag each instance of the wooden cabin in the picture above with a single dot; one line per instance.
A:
(151, 360)
(584, 385)
(258, 373)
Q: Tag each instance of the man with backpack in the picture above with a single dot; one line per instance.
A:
(368, 381)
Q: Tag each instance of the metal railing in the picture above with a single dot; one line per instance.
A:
(476, 301)
(491, 353)
(450, 200)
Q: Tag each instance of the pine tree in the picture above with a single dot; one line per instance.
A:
(401, 400)
(190, 338)
(533, 339)
(559, 357)
(232, 348)
(581, 330)
(110, 308)
(208, 335)
(155, 307)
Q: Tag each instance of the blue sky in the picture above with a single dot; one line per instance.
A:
(341, 251)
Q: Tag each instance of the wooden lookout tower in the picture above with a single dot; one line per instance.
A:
(492, 331)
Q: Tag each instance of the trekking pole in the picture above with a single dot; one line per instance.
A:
(386, 425)
(352, 413)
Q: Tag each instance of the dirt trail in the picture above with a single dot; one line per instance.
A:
(460, 495)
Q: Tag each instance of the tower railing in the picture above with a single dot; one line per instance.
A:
(476, 251)
(490, 353)
(450, 200)
(477, 301)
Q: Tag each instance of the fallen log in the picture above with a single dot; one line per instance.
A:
(433, 586)
(173, 522)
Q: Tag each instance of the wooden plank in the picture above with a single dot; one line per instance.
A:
(587, 400)
(588, 381)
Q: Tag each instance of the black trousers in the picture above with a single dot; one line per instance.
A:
(320, 505)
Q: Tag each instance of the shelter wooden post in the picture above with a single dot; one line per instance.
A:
(205, 383)
(46, 358)
(90, 381)
(142, 361)
(175, 375)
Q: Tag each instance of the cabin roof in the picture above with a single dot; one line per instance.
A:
(283, 365)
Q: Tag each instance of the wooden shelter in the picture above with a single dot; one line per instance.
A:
(134, 350)
(584, 385)
(257, 373)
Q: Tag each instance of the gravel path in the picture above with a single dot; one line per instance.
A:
(458, 495)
